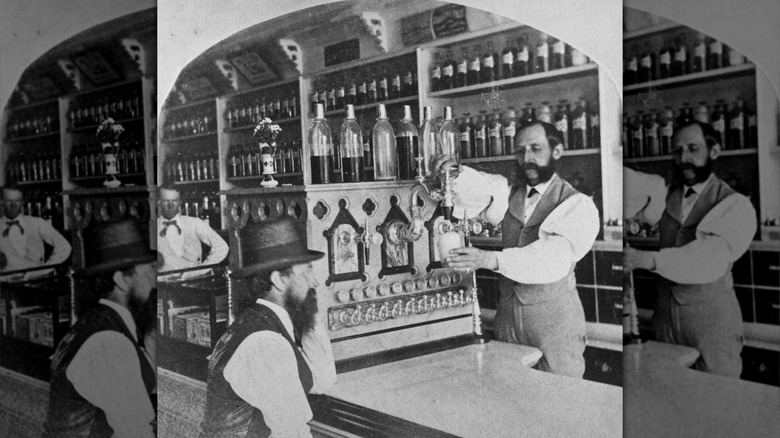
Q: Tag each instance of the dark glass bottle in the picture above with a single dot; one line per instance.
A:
(520, 67)
(448, 72)
(542, 58)
(580, 126)
(475, 66)
(465, 128)
(700, 58)
(632, 66)
(321, 145)
(436, 74)
(508, 56)
(351, 148)
(406, 139)
(463, 68)
(561, 121)
(646, 70)
(489, 71)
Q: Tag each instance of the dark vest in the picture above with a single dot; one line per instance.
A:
(70, 415)
(517, 234)
(674, 234)
(227, 414)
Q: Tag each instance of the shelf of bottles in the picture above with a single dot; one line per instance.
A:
(45, 203)
(678, 56)
(39, 163)
(123, 103)
(190, 122)
(33, 122)
(526, 56)
(199, 167)
(201, 203)
(391, 82)
(244, 162)
(280, 104)
(86, 160)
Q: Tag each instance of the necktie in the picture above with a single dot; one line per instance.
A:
(168, 224)
(690, 192)
(688, 201)
(11, 224)
(532, 192)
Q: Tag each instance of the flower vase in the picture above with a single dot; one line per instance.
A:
(269, 167)
(109, 164)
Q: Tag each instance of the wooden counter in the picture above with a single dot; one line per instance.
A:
(664, 398)
(485, 390)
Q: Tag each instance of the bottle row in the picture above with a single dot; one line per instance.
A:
(198, 166)
(37, 166)
(675, 58)
(251, 112)
(125, 104)
(360, 88)
(519, 57)
(196, 203)
(182, 125)
(650, 134)
(244, 159)
(29, 123)
(86, 159)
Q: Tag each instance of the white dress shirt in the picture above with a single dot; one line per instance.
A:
(722, 236)
(565, 236)
(183, 249)
(263, 371)
(107, 373)
(26, 249)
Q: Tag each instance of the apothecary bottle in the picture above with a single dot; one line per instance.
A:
(385, 152)
(321, 148)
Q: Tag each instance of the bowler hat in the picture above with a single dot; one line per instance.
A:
(272, 245)
(113, 246)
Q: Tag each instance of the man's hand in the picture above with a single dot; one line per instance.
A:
(471, 259)
(637, 259)
(439, 163)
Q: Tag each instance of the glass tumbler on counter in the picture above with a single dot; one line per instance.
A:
(321, 148)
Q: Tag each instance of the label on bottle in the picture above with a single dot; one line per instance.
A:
(437, 72)
(578, 58)
(735, 58)
(396, 81)
(681, 55)
(595, 120)
(752, 121)
(339, 92)
(719, 125)
(352, 90)
(495, 131)
(665, 58)
(448, 70)
(463, 67)
(542, 51)
(667, 129)
(559, 47)
(700, 51)
(464, 136)
(480, 134)
(362, 88)
(562, 125)
(408, 79)
(509, 130)
(323, 96)
(737, 123)
(383, 84)
(372, 86)
(716, 48)
(637, 133)
(632, 65)
(578, 123)
(523, 55)
(646, 61)
(315, 98)
(475, 65)
(508, 58)
(652, 131)
(332, 94)
(488, 61)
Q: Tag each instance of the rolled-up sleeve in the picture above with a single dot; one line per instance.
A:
(644, 195)
(722, 237)
(565, 236)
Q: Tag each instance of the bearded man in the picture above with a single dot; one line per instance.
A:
(547, 227)
(277, 350)
(704, 227)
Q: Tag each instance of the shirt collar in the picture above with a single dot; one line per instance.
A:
(281, 313)
(698, 187)
(125, 314)
(175, 218)
(541, 187)
(21, 218)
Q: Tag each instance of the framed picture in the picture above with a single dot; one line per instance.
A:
(97, 69)
(254, 68)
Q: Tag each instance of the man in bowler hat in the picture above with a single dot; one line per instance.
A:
(102, 379)
(277, 350)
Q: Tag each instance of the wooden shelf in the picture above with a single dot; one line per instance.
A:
(95, 126)
(373, 105)
(726, 153)
(97, 177)
(651, 30)
(260, 177)
(33, 137)
(34, 104)
(201, 181)
(253, 125)
(566, 153)
(190, 137)
(677, 81)
(533, 78)
(33, 183)
(106, 190)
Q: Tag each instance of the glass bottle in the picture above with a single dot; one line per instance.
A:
(351, 148)
(737, 126)
(489, 71)
(666, 130)
(373, 93)
(680, 61)
(751, 137)
(436, 73)
(561, 121)
(632, 66)
(665, 60)
(520, 67)
(449, 137)
(715, 57)
(464, 128)
(545, 113)
(510, 129)
(480, 136)
(351, 98)
(594, 140)
(448, 72)
(508, 56)
(735, 57)
(558, 54)
(395, 85)
(341, 95)
(529, 114)
(321, 148)
(475, 67)
(638, 134)
(383, 90)
(408, 84)
(686, 115)
(407, 145)
(428, 134)
(579, 126)
(496, 135)
(702, 114)
(463, 68)
(385, 152)
(699, 54)
(646, 71)
(652, 145)
(362, 91)
(542, 63)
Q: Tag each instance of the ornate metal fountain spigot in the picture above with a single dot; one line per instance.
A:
(445, 194)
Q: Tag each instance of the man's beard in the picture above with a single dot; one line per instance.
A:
(544, 173)
(303, 313)
(701, 173)
(144, 312)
